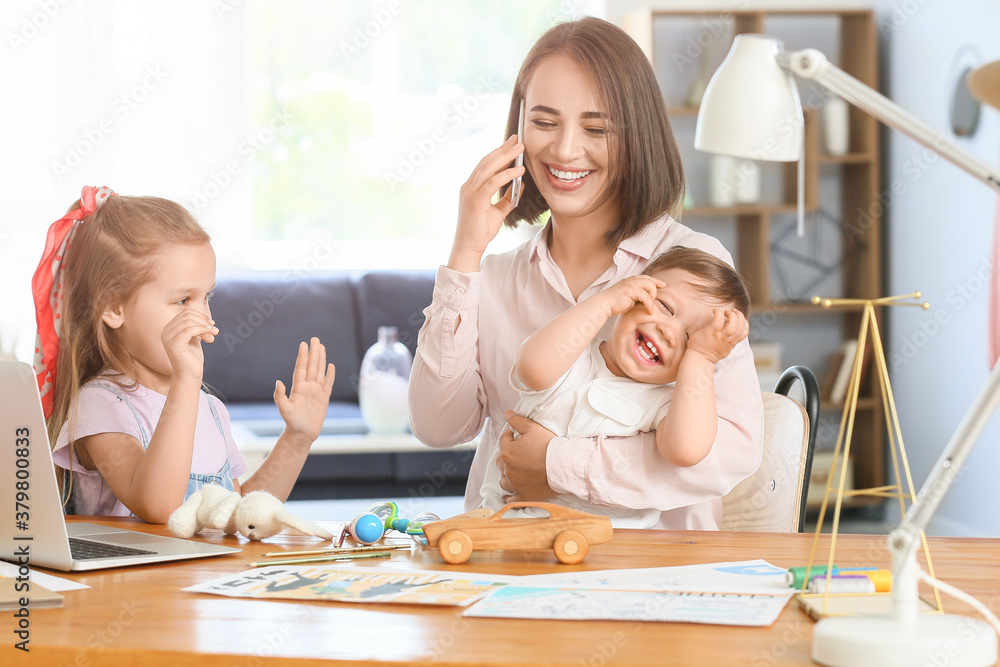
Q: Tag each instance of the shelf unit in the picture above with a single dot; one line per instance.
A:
(848, 184)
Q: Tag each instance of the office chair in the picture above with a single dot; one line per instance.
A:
(773, 499)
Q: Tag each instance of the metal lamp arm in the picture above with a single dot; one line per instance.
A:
(812, 64)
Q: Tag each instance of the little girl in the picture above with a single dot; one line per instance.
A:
(654, 372)
(121, 298)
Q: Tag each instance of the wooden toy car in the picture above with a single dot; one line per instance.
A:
(566, 531)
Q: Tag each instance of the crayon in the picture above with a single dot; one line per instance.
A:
(797, 575)
(843, 583)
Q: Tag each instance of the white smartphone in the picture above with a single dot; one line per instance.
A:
(515, 191)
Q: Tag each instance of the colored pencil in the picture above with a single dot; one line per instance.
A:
(321, 559)
(336, 550)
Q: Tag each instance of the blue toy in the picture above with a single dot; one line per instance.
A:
(369, 527)
(366, 528)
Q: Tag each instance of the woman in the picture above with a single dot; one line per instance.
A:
(599, 154)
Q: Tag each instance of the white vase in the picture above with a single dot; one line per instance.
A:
(385, 374)
(836, 127)
(733, 181)
(746, 176)
(722, 189)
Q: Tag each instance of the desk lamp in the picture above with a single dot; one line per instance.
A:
(751, 109)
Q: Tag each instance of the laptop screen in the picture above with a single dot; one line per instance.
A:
(32, 525)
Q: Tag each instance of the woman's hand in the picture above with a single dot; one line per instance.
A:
(479, 219)
(717, 339)
(312, 381)
(522, 460)
(182, 339)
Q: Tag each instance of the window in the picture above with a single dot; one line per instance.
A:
(370, 117)
(302, 134)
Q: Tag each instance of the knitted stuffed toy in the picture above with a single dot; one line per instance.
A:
(257, 515)
(211, 506)
(260, 515)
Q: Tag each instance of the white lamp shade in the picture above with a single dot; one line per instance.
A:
(751, 106)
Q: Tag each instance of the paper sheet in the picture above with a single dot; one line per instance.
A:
(54, 584)
(751, 593)
(343, 584)
(748, 576)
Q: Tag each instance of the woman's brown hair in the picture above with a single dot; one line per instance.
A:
(720, 283)
(647, 177)
(110, 256)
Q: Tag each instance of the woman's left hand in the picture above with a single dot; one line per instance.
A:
(312, 381)
(522, 460)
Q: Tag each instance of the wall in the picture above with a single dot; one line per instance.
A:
(939, 234)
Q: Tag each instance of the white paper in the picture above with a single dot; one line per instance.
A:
(751, 593)
(54, 584)
(749, 576)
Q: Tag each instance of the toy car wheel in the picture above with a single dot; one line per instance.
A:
(570, 547)
(455, 547)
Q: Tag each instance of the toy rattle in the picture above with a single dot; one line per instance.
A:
(369, 527)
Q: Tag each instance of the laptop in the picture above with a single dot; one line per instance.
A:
(33, 530)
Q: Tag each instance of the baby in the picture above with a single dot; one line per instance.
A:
(655, 372)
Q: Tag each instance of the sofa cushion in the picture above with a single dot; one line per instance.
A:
(396, 299)
(262, 317)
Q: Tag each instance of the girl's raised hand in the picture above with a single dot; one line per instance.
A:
(479, 219)
(312, 381)
(182, 339)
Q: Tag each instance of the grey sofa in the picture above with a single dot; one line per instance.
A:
(262, 317)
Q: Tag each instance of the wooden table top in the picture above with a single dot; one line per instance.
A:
(139, 615)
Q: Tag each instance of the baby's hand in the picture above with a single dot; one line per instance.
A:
(312, 381)
(717, 339)
(623, 295)
(182, 337)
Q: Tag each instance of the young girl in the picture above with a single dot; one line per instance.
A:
(654, 372)
(600, 157)
(121, 296)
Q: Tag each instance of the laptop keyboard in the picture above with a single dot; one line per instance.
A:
(86, 550)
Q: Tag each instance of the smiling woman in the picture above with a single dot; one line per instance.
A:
(613, 121)
(600, 157)
(567, 145)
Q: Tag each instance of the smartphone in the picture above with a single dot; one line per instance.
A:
(515, 191)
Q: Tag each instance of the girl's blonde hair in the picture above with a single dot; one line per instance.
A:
(110, 256)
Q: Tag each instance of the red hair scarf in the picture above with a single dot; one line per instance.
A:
(47, 290)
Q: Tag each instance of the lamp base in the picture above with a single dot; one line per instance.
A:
(877, 641)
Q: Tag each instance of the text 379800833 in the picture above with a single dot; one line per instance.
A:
(22, 520)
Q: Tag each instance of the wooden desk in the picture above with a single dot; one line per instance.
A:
(139, 615)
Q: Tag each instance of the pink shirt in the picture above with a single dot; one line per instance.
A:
(99, 410)
(460, 381)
